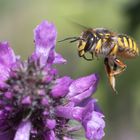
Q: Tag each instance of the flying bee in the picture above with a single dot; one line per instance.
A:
(111, 46)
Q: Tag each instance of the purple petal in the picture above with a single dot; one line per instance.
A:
(41, 92)
(82, 88)
(80, 97)
(50, 123)
(23, 132)
(89, 106)
(45, 35)
(4, 74)
(49, 74)
(45, 39)
(91, 120)
(8, 95)
(2, 115)
(7, 56)
(50, 135)
(44, 101)
(7, 61)
(62, 87)
(26, 100)
(59, 59)
(94, 124)
(8, 135)
(69, 112)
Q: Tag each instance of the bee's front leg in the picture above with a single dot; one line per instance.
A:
(88, 59)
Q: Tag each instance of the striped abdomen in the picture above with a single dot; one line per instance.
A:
(127, 47)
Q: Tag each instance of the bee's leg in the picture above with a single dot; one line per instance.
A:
(98, 48)
(110, 74)
(88, 59)
(92, 55)
(118, 67)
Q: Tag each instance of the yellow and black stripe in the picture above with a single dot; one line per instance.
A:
(127, 46)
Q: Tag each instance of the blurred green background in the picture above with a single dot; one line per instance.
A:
(18, 18)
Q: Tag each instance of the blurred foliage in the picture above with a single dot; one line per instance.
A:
(18, 18)
(132, 11)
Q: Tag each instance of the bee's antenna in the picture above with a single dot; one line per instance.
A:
(73, 39)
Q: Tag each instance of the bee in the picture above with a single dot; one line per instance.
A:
(111, 46)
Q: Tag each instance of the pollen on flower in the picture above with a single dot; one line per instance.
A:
(37, 104)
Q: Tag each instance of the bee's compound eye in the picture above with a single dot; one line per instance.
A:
(89, 42)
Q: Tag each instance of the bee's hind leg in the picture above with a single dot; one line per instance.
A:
(118, 67)
(110, 74)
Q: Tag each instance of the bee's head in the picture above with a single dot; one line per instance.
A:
(85, 42)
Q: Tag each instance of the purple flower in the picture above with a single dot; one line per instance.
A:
(37, 104)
